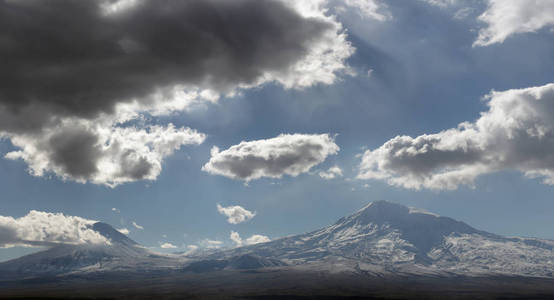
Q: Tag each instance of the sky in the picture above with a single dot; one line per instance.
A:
(220, 123)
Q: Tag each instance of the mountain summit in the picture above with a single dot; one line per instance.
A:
(423, 230)
(389, 237)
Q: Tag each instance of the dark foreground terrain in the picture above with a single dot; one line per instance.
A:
(274, 284)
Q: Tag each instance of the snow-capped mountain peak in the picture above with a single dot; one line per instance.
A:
(395, 237)
(422, 230)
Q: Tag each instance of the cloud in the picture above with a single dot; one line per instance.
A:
(235, 214)
(515, 133)
(372, 9)
(67, 103)
(290, 154)
(441, 3)
(168, 246)
(121, 57)
(125, 231)
(506, 18)
(137, 226)
(191, 249)
(210, 244)
(47, 229)
(116, 210)
(254, 239)
(235, 237)
(333, 172)
(370, 73)
(89, 153)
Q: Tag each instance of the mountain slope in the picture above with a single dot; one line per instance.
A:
(121, 253)
(384, 236)
(381, 238)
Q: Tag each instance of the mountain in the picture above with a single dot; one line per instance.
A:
(382, 238)
(385, 237)
(122, 253)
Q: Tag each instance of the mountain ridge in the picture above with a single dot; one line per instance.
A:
(391, 237)
(381, 238)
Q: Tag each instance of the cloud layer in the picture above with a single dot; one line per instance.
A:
(516, 133)
(505, 18)
(47, 229)
(235, 214)
(76, 72)
(290, 154)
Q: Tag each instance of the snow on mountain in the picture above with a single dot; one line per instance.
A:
(396, 238)
(122, 253)
(380, 238)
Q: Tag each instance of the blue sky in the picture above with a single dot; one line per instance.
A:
(417, 71)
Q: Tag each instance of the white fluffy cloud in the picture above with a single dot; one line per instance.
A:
(47, 229)
(254, 239)
(235, 237)
(504, 18)
(515, 133)
(87, 152)
(137, 226)
(168, 246)
(333, 172)
(235, 214)
(290, 154)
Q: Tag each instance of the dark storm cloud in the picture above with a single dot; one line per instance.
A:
(135, 168)
(76, 152)
(74, 58)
